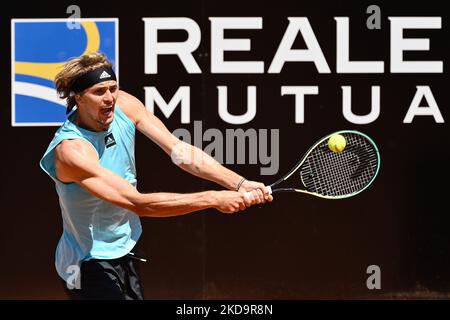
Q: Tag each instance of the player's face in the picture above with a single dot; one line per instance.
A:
(97, 104)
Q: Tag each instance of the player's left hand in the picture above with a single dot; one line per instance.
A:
(260, 188)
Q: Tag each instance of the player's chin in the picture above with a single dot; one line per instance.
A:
(110, 119)
(107, 118)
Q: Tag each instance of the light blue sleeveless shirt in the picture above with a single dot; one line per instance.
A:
(93, 228)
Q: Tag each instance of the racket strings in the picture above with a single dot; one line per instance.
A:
(337, 174)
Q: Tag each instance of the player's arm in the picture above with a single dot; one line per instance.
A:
(76, 161)
(186, 156)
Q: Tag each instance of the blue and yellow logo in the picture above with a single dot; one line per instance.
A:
(40, 47)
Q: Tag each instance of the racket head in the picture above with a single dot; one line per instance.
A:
(331, 175)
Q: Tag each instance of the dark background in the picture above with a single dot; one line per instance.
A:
(298, 247)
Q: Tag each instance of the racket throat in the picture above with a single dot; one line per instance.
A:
(276, 190)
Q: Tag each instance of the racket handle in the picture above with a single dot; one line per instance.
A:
(248, 194)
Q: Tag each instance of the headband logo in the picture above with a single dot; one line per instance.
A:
(105, 75)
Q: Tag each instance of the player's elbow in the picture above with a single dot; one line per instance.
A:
(138, 205)
(188, 158)
(181, 154)
(145, 206)
(152, 205)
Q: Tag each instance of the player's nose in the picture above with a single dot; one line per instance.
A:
(108, 97)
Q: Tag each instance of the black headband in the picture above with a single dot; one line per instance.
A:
(93, 77)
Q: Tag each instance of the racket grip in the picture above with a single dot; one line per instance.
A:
(248, 194)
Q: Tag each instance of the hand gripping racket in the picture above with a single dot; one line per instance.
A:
(333, 175)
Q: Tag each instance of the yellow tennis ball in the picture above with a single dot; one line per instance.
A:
(337, 143)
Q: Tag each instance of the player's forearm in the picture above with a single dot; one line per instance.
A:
(204, 166)
(173, 204)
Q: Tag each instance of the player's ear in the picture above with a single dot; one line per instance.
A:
(77, 97)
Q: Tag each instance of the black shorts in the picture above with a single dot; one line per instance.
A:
(114, 279)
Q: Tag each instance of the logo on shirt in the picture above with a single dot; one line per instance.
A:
(109, 140)
(39, 49)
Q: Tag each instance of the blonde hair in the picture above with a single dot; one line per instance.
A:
(75, 68)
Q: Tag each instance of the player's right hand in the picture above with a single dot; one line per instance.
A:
(232, 201)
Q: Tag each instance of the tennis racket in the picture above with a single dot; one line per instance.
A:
(333, 175)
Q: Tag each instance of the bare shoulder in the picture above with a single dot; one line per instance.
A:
(130, 105)
(145, 121)
(128, 98)
(74, 160)
(73, 152)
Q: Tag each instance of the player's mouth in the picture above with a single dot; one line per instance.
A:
(106, 112)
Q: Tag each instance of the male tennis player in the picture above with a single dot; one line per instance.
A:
(91, 160)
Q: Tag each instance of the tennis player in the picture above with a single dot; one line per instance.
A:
(91, 160)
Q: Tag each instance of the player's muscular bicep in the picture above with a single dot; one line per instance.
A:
(75, 159)
(110, 187)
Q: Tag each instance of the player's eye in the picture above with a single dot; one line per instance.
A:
(99, 92)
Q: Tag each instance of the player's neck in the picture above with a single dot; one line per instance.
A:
(89, 124)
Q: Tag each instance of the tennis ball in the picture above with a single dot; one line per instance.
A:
(337, 143)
